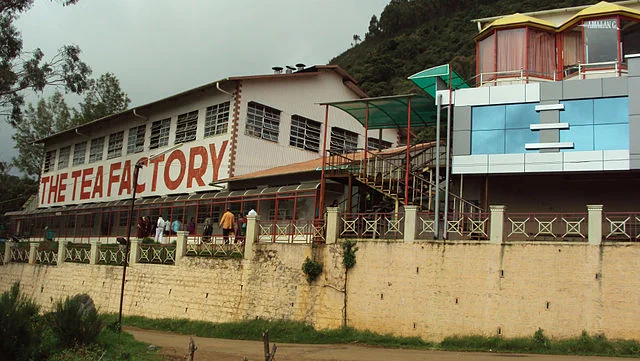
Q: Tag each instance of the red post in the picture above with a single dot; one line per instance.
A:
(366, 137)
(406, 172)
(324, 163)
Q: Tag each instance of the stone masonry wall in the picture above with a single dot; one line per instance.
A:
(426, 289)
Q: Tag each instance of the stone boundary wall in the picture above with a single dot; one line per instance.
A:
(426, 289)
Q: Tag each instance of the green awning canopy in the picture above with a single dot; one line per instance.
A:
(391, 111)
(428, 78)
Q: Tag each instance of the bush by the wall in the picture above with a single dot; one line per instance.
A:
(20, 326)
(75, 321)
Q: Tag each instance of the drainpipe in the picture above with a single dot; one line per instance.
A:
(138, 115)
(222, 90)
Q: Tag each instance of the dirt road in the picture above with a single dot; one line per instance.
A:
(213, 349)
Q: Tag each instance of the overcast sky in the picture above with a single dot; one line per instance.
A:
(162, 47)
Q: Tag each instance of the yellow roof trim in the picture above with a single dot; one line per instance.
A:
(517, 19)
(599, 9)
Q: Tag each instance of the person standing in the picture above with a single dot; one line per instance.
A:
(191, 226)
(159, 229)
(176, 226)
(140, 228)
(226, 222)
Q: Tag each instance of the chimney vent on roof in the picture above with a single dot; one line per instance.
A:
(290, 69)
(300, 66)
(277, 70)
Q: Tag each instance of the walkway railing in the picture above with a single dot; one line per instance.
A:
(620, 226)
(546, 226)
(291, 231)
(372, 225)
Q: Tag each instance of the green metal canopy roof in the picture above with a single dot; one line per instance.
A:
(390, 111)
(427, 79)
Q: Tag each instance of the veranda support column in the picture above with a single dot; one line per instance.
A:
(181, 245)
(594, 223)
(33, 249)
(251, 237)
(410, 217)
(62, 251)
(94, 252)
(496, 231)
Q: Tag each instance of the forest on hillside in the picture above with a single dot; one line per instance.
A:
(413, 35)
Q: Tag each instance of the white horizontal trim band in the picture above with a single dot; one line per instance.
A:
(549, 126)
(560, 145)
(549, 107)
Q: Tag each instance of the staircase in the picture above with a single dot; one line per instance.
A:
(385, 172)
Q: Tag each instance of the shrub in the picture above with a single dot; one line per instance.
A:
(312, 269)
(20, 328)
(349, 250)
(75, 321)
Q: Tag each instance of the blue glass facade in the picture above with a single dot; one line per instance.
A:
(594, 124)
(503, 129)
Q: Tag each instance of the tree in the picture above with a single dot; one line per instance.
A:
(374, 27)
(15, 192)
(49, 116)
(103, 97)
(23, 70)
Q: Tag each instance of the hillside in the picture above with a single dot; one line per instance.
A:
(412, 35)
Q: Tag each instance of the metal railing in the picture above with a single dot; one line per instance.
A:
(156, 253)
(111, 254)
(78, 253)
(214, 247)
(20, 252)
(621, 226)
(459, 226)
(291, 231)
(371, 225)
(546, 226)
(47, 253)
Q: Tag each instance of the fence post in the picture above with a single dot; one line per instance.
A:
(332, 225)
(33, 249)
(410, 217)
(134, 249)
(251, 237)
(7, 251)
(181, 245)
(94, 252)
(594, 223)
(62, 250)
(496, 221)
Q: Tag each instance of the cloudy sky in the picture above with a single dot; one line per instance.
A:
(161, 47)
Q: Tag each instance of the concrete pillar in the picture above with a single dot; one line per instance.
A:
(62, 251)
(496, 220)
(410, 218)
(94, 253)
(331, 225)
(7, 251)
(251, 237)
(33, 249)
(594, 223)
(181, 245)
(133, 251)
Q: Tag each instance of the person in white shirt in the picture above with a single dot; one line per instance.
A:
(159, 229)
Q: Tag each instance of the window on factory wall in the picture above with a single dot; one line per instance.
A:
(217, 119)
(159, 133)
(135, 142)
(114, 148)
(49, 161)
(63, 157)
(343, 140)
(596, 124)
(96, 151)
(377, 144)
(263, 122)
(503, 129)
(186, 127)
(305, 133)
(79, 153)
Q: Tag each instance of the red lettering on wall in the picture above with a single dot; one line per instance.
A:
(154, 180)
(125, 181)
(85, 184)
(53, 189)
(113, 178)
(62, 186)
(141, 186)
(97, 183)
(197, 173)
(216, 159)
(173, 184)
(44, 182)
(76, 176)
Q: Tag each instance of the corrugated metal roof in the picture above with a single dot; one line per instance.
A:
(517, 19)
(602, 8)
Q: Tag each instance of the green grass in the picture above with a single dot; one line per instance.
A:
(298, 332)
(128, 349)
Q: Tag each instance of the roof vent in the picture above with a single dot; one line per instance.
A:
(300, 66)
(290, 69)
(277, 70)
